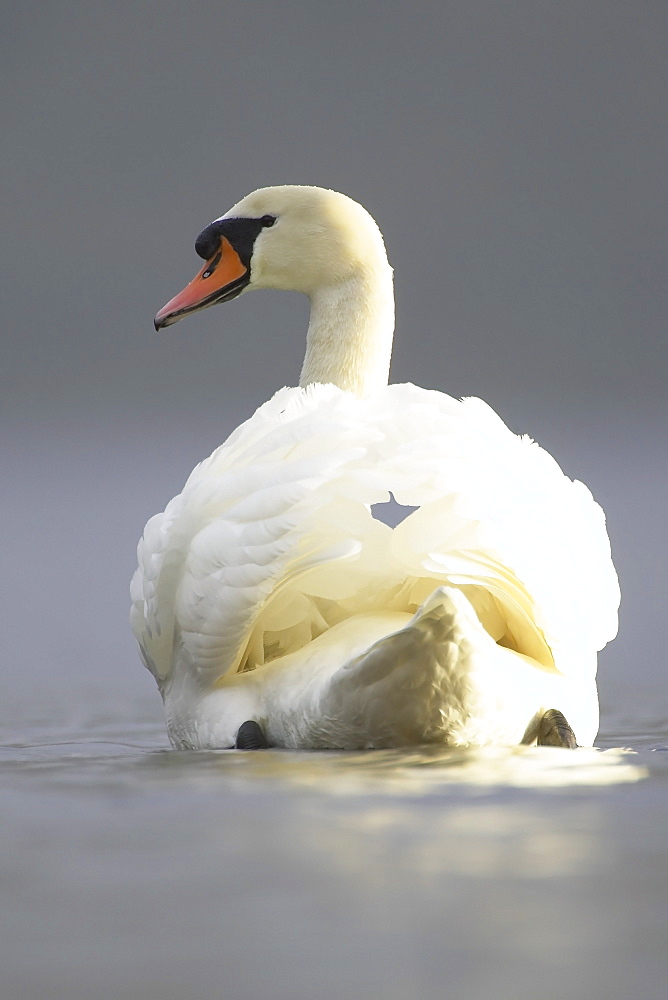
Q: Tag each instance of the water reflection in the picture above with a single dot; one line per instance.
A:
(407, 772)
(424, 770)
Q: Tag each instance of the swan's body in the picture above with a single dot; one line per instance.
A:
(267, 590)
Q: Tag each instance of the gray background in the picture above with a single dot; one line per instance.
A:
(514, 155)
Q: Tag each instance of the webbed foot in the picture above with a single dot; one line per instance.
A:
(554, 730)
(251, 737)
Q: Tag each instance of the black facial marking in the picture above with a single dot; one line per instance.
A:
(241, 233)
(207, 242)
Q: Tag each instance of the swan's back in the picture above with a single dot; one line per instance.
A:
(272, 541)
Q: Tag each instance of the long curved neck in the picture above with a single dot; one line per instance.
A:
(349, 339)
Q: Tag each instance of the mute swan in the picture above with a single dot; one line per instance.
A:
(270, 605)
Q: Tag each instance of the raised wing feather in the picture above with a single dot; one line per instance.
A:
(266, 507)
(272, 540)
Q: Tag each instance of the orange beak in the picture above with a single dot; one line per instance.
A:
(223, 277)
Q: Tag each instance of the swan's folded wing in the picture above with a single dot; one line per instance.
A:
(485, 490)
(273, 504)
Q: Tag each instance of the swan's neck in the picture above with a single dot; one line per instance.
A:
(349, 339)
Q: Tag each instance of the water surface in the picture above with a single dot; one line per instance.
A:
(131, 870)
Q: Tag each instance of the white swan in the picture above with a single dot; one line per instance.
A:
(267, 593)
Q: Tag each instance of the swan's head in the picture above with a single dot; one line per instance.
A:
(297, 238)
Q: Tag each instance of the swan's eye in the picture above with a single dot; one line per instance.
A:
(267, 221)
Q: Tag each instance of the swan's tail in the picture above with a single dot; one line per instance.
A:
(415, 685)
(443, 679)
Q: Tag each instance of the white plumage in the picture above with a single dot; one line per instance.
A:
(268, 591)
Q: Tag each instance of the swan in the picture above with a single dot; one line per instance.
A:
(274, 609)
